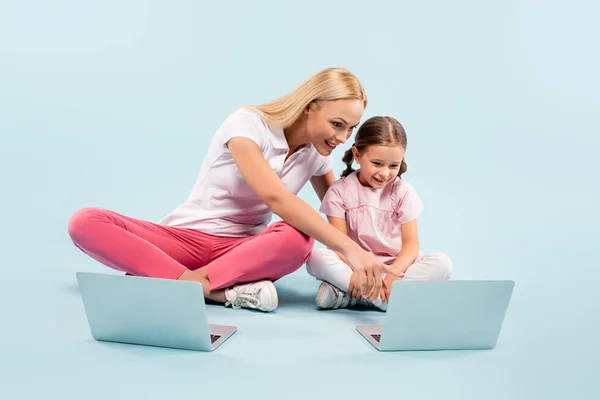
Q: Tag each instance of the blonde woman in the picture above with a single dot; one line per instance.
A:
(259, 158)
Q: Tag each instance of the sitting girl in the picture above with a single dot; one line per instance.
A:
(378, 210)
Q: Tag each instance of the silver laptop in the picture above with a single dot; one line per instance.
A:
(149, 311)
(441, 315)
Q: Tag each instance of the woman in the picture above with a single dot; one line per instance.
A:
(259, 159)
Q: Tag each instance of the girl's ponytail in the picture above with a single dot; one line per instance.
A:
(403, 168)
(347, 159)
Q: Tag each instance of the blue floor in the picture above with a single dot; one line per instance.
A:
(547, 349)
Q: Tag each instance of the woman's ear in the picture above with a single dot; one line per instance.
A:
(312, 106)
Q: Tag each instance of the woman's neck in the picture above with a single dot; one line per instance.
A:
(296, 134)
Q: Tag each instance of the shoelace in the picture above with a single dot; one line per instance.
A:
(341, 299)
(247, 297)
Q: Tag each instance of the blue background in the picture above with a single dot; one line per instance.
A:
(113, 103)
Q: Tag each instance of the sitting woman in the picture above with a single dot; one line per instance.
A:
(258, 160)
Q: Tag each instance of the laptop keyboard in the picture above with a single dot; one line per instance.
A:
(376, 337)
(214, 338)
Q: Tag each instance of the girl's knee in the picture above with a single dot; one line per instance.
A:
(315, 261)
(443, 266)
(320, 259)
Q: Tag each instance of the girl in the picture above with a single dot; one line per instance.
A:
(378, 210)
(259, 158)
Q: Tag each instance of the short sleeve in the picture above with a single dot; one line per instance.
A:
(325, 167)
(333, 204)
(242, 123)
(411, 205)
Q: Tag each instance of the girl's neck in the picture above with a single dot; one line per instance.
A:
(361, 179)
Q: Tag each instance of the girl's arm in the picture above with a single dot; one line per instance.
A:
(264, 181)
(321, 183)
(410, 248)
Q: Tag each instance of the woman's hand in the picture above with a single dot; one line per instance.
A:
(366, 275)
(368, 270)
(354, 287)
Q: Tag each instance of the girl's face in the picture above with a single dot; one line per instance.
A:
(332, 123)
(379, 165)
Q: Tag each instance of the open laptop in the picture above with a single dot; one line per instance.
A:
(149, 311)
(441, 315)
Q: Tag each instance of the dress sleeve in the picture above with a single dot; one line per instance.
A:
(333, 204)
(410, 204)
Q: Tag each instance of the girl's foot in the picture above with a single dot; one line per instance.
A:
(330, 297)
(259, 296)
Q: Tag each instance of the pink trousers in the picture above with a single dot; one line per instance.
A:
(144, 248)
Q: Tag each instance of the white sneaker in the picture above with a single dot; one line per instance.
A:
(330, 297)
(259, 296)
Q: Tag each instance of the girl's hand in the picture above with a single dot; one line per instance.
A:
(386, 286)
(369, 271)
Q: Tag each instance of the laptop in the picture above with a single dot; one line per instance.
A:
(441, 315)
(149, 311)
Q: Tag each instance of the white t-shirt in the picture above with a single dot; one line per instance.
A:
(221, 202)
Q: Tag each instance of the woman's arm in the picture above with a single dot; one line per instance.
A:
(264, 181)
(340, 225)
(410, 248)
(322, 183)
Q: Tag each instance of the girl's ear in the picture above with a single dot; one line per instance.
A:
(356, 154)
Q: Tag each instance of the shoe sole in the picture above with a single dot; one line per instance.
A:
(320, 292)
(272, 291)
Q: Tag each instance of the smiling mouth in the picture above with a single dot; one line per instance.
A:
(378, 180)
(331, 145)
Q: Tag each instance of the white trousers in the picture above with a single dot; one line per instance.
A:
(325, 265)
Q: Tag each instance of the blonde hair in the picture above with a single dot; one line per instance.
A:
(326, 85)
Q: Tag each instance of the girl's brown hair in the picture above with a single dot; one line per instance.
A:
(382, 131)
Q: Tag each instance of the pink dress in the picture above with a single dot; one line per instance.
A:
(373, 216)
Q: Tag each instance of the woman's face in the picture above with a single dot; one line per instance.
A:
(332, 123)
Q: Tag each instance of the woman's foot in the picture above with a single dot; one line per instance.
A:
(259, 296)
(330, 297)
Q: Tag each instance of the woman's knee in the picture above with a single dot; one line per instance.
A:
(296, 244)
(80, 222)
